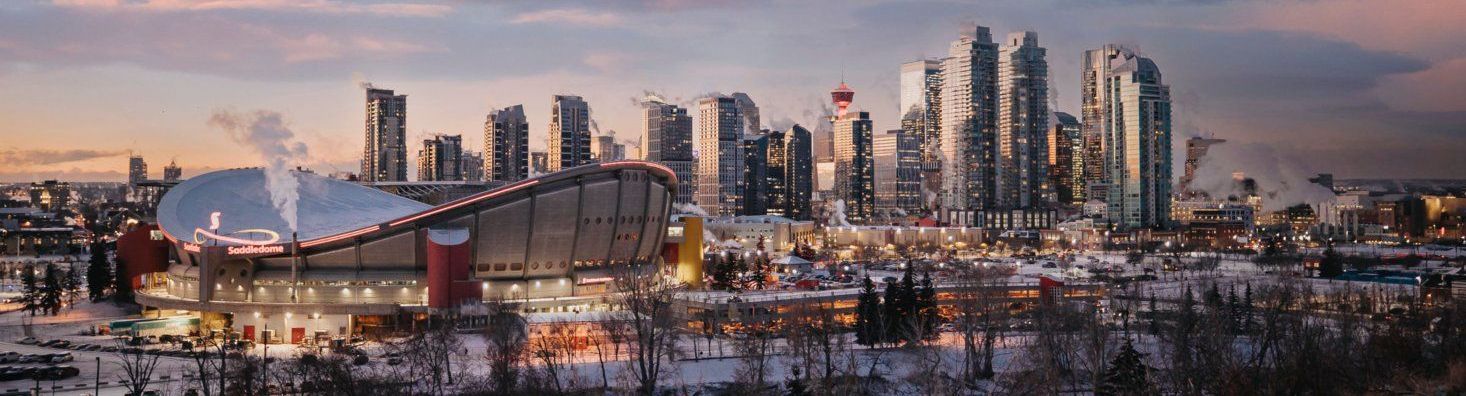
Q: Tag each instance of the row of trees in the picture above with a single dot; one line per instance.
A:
(56, 288)
(908, 312)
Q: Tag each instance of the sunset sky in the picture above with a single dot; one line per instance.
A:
(1358, 88)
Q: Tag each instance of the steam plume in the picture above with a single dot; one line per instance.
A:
(265, 133)
(1281, 181)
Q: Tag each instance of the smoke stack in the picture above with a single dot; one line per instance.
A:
(294, 266)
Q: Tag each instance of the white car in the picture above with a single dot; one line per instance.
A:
(62, 358)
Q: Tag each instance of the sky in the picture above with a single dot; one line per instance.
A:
(1359, 88)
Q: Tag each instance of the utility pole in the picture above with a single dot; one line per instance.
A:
(97, 384)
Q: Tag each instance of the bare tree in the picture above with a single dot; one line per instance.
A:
(505, 338)
(554, 347)
(649, 322)
(754, 345)
(431, 352)
(980, 297)
(137, 368)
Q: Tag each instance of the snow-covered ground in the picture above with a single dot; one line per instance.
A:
(700, 363)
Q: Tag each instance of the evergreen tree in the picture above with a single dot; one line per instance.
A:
(893, 311)
(1213, 298)
(70, 285)
(99, 272)
(1126, 375)
(30, 295)
(725, 273)
(926, 302)
(51, 290)
(122, 282)
(1234, 310)
(1331, 265)
(868, 315)
(1247, 309)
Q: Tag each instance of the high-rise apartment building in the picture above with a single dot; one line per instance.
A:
(1093, 113)
(969, 120)
(921, 116)
(385, 156)
(506, 145)
(1066, 159)
(172, 173)
(855, 166)
(137, 169)
(440, 158)
(898, 172)
(667, 139)
(921, 106)
(569, 136)
(1023, 123)
(720, 160)
(1137, 141)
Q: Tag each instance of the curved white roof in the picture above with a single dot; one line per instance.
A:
(325, 207)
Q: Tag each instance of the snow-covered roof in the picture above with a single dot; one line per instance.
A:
(325, 206)
(791, 260)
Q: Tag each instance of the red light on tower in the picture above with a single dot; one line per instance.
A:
(842, 96)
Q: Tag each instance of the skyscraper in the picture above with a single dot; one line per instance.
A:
(569, 136)
(1023, 120)
(855, 165)
(172, 172)
(790, 173)
(898, 172)
(137, 169)
(440, 158)
(385, 156)
(1066, 159)
(969, 120)
(756, 175)
(720, 163)
(921, 106)
(1137, 141)
(506, 144)
(1094, 100)
(667, 139)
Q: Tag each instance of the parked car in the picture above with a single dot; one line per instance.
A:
(9, 357)
(62, 358)
(28, 341)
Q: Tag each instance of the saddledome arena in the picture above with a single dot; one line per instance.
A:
(363, 260)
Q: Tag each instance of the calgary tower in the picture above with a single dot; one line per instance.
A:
(842, 96)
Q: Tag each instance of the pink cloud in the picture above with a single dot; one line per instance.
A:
(313, 6)
(1441, 88)
(574, 16)
(605, 61)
